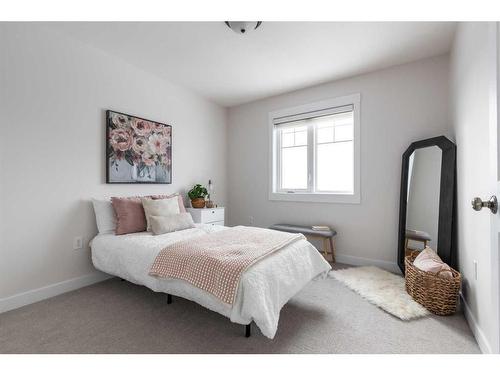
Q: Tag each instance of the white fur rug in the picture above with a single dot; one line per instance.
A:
(384, 289)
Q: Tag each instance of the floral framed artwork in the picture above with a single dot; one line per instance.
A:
(138, 151)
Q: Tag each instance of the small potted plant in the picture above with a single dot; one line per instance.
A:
(197, 195)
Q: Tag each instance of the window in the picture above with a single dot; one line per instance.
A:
(315, 152)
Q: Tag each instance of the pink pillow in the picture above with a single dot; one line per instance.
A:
(429, 261)
(179, 197)
(130, 217)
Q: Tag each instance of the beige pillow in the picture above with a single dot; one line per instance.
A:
(429, 261)
(159, 207)
(172, 223)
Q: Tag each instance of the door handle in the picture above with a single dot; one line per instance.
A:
(492, 204)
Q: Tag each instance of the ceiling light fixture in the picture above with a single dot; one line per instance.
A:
(241, 27)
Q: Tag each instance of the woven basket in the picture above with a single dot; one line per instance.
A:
(437, 294)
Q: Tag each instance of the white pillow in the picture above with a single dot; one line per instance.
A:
(159, 207)
(171, 223)
(105, 216)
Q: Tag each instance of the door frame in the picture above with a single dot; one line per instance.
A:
(494, 140)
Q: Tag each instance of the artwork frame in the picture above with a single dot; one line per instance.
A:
(138, 150)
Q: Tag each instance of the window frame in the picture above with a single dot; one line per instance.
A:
(310, 160)
(307, 195)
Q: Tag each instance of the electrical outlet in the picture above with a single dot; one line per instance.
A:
(475, 270)
(250, 220)
(77, 243)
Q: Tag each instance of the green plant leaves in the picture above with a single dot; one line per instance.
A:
(198, 191)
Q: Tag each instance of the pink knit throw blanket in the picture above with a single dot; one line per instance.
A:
(216, 261)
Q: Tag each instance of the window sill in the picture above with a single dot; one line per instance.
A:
(318, 198)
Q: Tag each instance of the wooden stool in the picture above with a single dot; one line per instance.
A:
(418, 236)
(326, 236)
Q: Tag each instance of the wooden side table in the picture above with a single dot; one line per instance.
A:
(327, 236)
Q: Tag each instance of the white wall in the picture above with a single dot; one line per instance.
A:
(398, 106)
(54, 93)
(472, 73)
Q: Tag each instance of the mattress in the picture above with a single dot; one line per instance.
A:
(264, 288)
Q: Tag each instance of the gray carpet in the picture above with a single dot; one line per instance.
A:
(119, 317)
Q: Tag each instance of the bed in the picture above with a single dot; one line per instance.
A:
(264, 288)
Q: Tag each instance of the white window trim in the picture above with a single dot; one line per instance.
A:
(275, 195)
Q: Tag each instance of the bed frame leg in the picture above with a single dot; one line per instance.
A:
(248, 330)
(169, 299)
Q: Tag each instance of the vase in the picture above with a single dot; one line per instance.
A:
(134, 172)
(146, 173)
(198, 202)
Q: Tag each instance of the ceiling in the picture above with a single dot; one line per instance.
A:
(232, 69)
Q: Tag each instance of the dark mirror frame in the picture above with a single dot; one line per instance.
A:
(447, 194)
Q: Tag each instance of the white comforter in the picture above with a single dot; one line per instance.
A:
(263, 289)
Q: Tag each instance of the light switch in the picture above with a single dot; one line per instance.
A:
(77, 243)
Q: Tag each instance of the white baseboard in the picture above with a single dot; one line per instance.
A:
(357, 261)
(35, 295)
(481, 339)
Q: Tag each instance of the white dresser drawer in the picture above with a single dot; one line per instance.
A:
(212, 215)
(217, 223)
(207, 215)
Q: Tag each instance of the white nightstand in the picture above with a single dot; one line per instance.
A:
(213, 216)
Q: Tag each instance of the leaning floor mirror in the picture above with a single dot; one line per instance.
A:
(427, 202)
